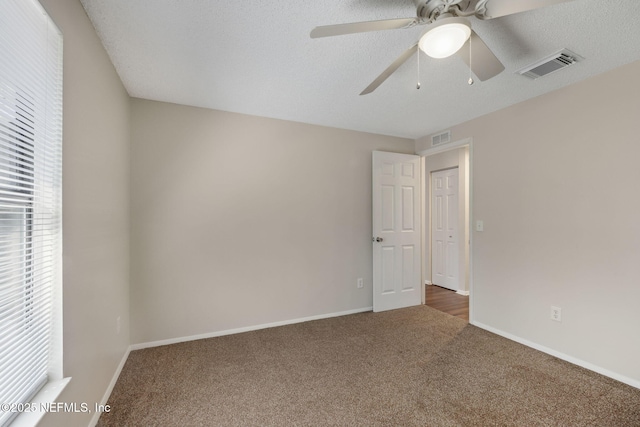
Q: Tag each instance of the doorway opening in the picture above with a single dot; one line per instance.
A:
(446, 224)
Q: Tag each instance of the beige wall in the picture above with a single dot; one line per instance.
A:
(240, 221)
(555, 180)
(96, 213)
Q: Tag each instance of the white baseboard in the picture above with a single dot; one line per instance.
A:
(245, 329)
(590, 366)
(112, 384)
(465, 293)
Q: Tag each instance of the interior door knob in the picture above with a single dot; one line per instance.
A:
(378, 239)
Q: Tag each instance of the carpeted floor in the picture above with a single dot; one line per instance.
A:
(409, 367)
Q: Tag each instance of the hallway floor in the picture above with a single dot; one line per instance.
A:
(448, 301)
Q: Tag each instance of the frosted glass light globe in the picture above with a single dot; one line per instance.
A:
(446, 38)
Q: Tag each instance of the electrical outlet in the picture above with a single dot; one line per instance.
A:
(118, 324)
(556, 314)
(360, 283)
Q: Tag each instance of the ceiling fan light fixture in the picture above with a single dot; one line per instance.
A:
(445, 37)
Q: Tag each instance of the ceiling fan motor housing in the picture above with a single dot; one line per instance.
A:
(431, 9)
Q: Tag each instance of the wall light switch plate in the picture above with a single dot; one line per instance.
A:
(479, 225)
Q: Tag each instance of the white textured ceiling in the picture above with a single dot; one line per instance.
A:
(256, 57)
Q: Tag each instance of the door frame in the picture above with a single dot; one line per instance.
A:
(426, 220)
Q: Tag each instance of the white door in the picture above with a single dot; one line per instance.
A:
(396, 231)
(444, 229)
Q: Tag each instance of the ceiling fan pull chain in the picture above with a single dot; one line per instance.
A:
(470, 56)
(418, 53)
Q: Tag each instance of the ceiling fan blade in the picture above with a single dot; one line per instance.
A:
(362, 27)
(497, 8)
(390, 70)
(482, 61)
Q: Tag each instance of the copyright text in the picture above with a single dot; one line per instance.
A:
(72, 407)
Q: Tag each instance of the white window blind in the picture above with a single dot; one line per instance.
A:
(30, 197)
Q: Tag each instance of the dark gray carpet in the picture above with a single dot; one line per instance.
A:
(409, 367)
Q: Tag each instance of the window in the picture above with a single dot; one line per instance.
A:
(30, 202)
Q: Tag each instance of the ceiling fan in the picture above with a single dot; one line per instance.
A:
(448, 32)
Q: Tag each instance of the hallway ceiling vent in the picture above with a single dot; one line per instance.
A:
(550, 64)
(441, 138)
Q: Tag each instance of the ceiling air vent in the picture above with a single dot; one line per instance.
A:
(441, 138)
(550, 64)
